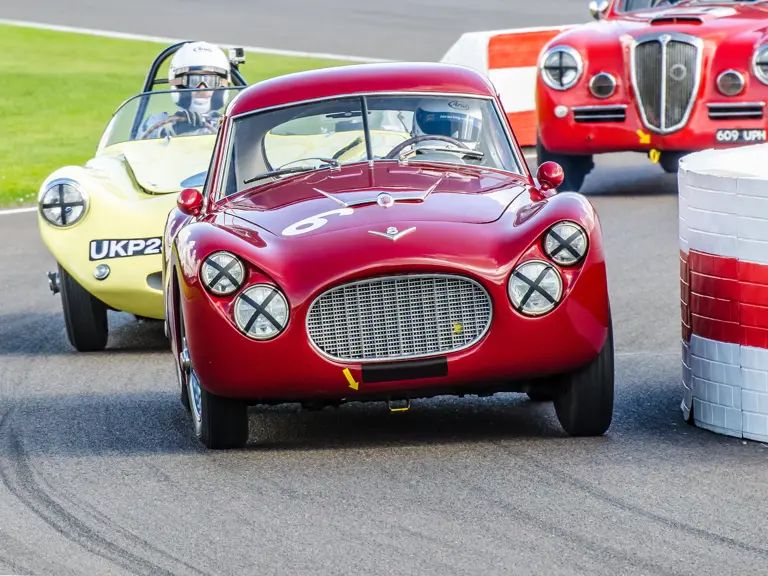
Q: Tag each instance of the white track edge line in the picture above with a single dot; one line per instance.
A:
(17, 210)
(162, 39)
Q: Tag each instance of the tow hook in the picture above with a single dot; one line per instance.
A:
(401, 409)
(53, 282)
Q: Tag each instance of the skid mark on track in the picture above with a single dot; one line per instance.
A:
(547, 473)
(19, 478)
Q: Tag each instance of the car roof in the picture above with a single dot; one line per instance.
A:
(362, 78)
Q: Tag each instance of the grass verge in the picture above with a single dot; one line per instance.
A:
(61, 89)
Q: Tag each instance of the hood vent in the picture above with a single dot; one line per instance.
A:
(670, 19)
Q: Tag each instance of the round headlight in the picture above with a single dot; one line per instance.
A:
(535, 287)
(760, 64)
(222, 273)
(261, 312)
(602, 85)
(730, 83)
(566, 243)
(63, 202)
(561, 67)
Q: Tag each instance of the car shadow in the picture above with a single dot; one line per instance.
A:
(44, 334)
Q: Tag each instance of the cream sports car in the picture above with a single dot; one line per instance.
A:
(103, 222)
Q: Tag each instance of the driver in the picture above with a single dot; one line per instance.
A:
(460, 120)
(195, 65)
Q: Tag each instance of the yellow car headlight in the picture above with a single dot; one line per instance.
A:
(63, 202)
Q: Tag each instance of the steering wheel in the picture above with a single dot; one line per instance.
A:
(173, 120)
(395, 152)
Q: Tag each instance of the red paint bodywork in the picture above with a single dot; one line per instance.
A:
(476, 222)
(729, 43)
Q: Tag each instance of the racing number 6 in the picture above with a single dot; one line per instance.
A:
(314, 222)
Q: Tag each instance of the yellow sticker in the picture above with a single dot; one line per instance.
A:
(351, 379)
(655, 155)
(644, 138)
(457, 327)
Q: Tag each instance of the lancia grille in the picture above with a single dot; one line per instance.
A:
(666, 74)
(399, 317)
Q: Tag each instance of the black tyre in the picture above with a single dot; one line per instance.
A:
(670, 161)
(84, 315)
(575, 167)
(219, 423)
(539, 396)
(584, 405)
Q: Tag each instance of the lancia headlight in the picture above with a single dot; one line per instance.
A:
(760, 64)
(535, 287)
(566, 243)
(63, 202)
(261, 312)
(561, 67)
(222, 273)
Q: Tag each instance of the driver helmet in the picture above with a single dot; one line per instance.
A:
(458, 118)
(195, 65)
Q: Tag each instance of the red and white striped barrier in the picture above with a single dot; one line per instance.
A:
(509, 58)
(723, 228)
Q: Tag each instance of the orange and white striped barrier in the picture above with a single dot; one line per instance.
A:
(723, 229)
(509, 58)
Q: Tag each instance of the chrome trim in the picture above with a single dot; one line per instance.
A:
(736, 110)
(69, 182)
(759, 75)
(664, 38)
(604, 113)
(395, 277)
(730, 71)
(512, 142)
(735, 104)
(604, 75)
(568, 50)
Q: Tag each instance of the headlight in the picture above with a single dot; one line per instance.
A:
(602, 85)
(730, 83)
(760, 64)
(561, 67)
(535, 287)
(63, 202)
(222, 273)
(261, 312)
(566, 243)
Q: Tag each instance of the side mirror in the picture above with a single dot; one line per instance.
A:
(550, 175)
(598, 8)
(190, 202)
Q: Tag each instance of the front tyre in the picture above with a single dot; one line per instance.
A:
(584, 406)
(85, 316)
(575, 167)
(219, 423)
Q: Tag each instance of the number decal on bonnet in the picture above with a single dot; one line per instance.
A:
(102, 249)
(314, 222)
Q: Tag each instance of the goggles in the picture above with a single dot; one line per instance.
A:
(193, 78)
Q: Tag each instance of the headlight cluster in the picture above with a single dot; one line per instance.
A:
(535, 287)
(561, 67)
(63, 202)
(261, 310)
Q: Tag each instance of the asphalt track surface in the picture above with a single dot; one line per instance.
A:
(100, 472)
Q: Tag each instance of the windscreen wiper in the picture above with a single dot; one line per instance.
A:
(295, 170)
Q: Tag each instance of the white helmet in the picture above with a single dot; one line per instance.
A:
(194, 64)
(459, 119)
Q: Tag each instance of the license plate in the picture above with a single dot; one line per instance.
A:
(740, 135)
(102, 249)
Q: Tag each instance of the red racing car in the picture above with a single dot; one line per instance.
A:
(372, 233)
(663, 77)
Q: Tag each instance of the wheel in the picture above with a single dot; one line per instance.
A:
(219, 423)
(584, 406)
(575, 167)
(669, 161)
(84, 315)
(539, 396)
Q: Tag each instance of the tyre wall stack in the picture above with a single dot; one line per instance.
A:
(723, 229)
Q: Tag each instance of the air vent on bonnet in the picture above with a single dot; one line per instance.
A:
(676, 20)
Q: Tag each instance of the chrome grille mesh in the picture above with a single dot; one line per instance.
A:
(399, 317)
(666, 78)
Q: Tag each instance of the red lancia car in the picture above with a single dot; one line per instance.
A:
(371, 233)
(663, 77)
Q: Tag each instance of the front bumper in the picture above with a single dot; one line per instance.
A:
(591, 135)
(288, 368)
